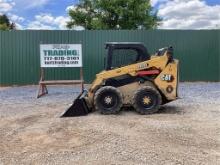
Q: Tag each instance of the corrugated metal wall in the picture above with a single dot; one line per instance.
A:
(198, 51)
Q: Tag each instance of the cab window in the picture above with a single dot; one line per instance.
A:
(123, 57)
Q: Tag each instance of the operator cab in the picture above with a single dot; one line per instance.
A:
(125, 53)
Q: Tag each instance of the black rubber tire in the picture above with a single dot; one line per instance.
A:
(100, 100)
(149, 92)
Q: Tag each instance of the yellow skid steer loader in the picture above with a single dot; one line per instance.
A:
(131, 78)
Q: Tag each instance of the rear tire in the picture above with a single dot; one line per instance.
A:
(147, 100)
(108, 100)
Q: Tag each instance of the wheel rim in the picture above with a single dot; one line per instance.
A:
(147, 100)
(108, 100)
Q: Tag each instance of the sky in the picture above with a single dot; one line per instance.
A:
(53, 14)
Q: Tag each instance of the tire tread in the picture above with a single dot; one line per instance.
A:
(142, 111)
(113, 111)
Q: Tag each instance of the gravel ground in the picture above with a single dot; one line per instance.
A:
(186, 131)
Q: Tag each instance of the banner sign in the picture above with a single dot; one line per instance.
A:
(61, 55)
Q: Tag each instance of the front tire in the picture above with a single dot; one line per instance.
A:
(147, 100)
(108, 100)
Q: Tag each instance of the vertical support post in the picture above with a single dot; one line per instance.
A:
(42, 90)
(81, 78)
(42, 74)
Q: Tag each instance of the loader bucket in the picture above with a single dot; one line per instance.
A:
(78, 108)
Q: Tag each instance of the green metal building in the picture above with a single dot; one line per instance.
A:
(197, 50)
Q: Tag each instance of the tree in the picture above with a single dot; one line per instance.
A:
(113, 14)
(5, 23)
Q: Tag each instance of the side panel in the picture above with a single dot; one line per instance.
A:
(129, 90)
(167, 80)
